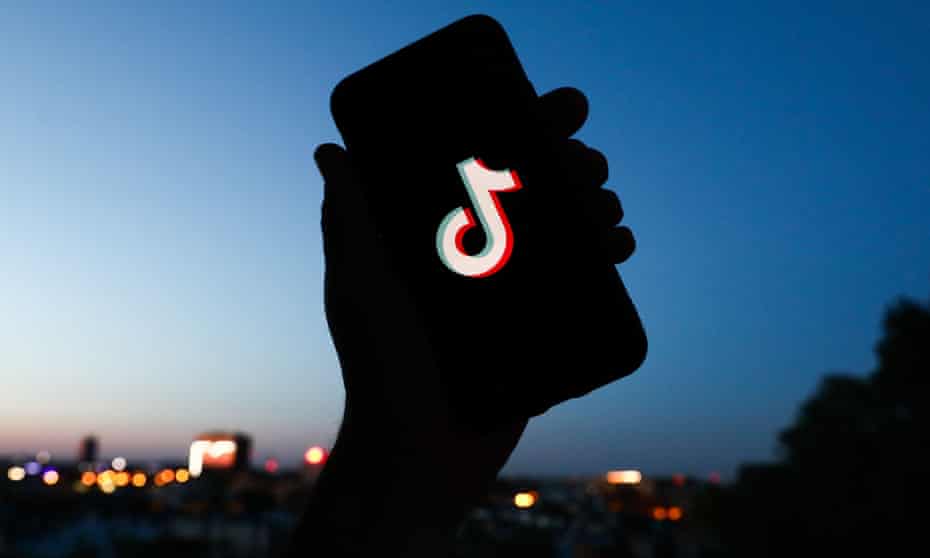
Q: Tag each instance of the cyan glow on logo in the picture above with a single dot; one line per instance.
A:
(482, 184)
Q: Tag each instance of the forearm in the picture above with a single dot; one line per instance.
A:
(365, 504)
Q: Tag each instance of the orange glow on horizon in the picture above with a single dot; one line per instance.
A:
(524, 500)
(674, 513)
(624, 477)
(659, 513)
(182, 475)
(139, 480)
(165, 476)
(107, 481)
(89, 478)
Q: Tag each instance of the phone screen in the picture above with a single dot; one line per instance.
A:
(521, 313)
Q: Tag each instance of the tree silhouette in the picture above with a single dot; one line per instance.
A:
(856, 462)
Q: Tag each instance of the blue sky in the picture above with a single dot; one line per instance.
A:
(160, 261)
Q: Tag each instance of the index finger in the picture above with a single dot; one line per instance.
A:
(557, 115)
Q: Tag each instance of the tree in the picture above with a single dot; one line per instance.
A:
(855, 466)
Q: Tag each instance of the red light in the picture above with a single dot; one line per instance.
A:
(271, 465)
(315, 455)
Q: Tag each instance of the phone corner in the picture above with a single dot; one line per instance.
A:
(337, 96)
(482, 21)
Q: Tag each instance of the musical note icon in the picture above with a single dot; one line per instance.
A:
(482, 184)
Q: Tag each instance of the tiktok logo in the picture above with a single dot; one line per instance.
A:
(481, 183)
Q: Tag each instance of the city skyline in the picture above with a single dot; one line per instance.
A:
(160, 255)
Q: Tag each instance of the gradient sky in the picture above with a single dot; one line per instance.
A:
(160, 259)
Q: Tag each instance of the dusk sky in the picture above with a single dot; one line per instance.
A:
(160, 254)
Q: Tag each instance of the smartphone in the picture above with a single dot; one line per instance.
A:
(522, 307)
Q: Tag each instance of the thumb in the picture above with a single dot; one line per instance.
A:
(333, 163)
(349, 236)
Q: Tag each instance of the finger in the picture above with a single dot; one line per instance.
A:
(349, 236)
(559, 113)
(334, 167)
(598, 167)
(620, 244)
(562, 111)
(610, 208)
(585, 167)
(332, 162)
(603, 207)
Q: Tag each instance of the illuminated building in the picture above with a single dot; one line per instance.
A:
(219, 451)
(624, 477)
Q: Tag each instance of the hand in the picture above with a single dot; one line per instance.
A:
(396, 422)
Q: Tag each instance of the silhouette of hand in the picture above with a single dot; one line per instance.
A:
(397, 420)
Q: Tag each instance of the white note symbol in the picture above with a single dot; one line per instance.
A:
(481, 183)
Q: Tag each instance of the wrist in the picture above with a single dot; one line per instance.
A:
(367, 501)
(409, 479)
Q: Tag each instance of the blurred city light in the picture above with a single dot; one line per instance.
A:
(624, 477)
(50, 477)
(315, 455)
(33, 468)
(678, 479)
(106, 482)
(214, 453)
(195, 456)
(88, 478)
(139, 480)
(221, 448)
(43, 457)
(165, 476)
(121, 479)
(659, 513)
(182, 475)
(674, 513)
(118, 463)
(524, 500)
(714, 478)
(271, 465)
(16, 473)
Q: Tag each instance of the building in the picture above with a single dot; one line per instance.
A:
(221, 451)
(88, 450)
